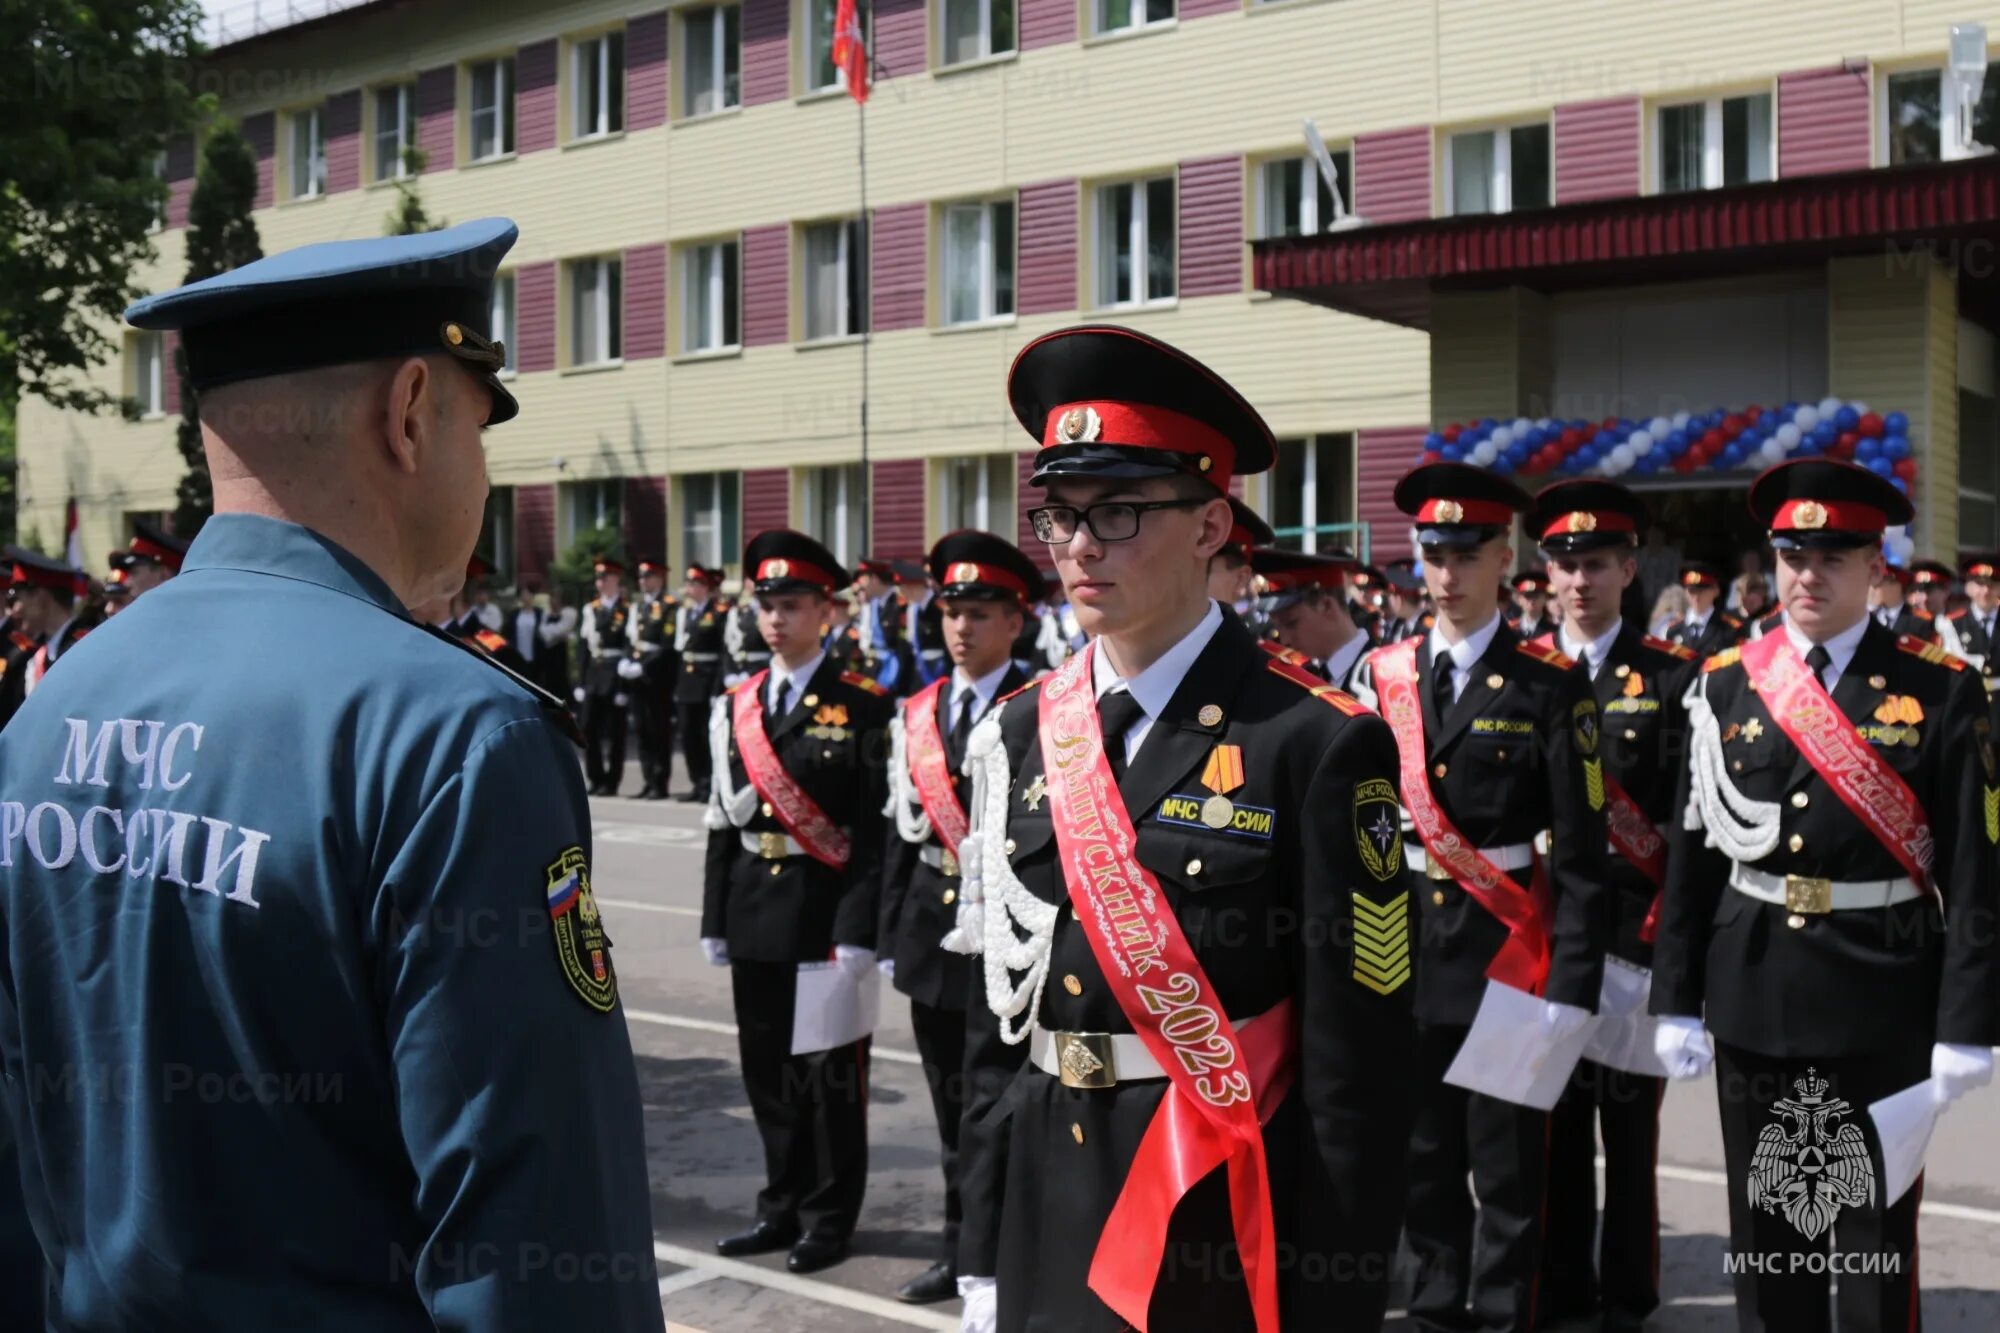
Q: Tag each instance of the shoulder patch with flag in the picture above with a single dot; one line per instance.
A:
(582, 948)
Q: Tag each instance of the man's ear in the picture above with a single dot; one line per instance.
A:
(1217, 521)
(410, 413)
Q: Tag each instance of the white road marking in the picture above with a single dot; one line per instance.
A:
(889, 1053)
(1958, 1212)
(687, 1277)
(648, 835)
(825, 1293)
(647, 907)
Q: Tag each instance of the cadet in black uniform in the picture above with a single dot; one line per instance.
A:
(794, 876)
(1839, 943)
(1973, 631)
(1889, 606)
(984, 586)
(1260, 807)
(52, 605)
(1509, 736)
(1533, 617)
(1589, 534)
(1304, 606)
(651, 685)
(1930, 587)
(921, 633)
(698, 645)
(1407, 616)
(1705, 628)
(607, 639)
(153, 557)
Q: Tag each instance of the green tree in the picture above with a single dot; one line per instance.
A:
(221, 235)
(408, 217)
(92, 96)
(9, 398)
(575, 569)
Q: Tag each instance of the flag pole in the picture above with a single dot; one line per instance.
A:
(867, 230)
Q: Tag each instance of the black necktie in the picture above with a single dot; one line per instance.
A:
(961, 729)
(1117, 713)
(1819, 659)
(774, 707)
(1441, 670)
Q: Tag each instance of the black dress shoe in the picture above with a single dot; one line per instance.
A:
(937, 1283)
(690, 797)
(812, 1254)
(760, 1239)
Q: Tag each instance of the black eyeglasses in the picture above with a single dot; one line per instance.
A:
(1112, 521)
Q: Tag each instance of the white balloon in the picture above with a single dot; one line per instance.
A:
(1806, 418)
(1624, 456)
(1659, 426)
(1828, 406)
(1641, 443)
(1681, 420)
(1789, 436)
(1502, 438)
(1773, 452)
(1860, 408)
(1522, 426)
(1483, 453)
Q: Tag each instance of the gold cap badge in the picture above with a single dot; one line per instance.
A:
(1450, 511)
(1583, 520)
(777, 569)
(454, 334)
(1079, 425)
(1810, 514)
(962, 572)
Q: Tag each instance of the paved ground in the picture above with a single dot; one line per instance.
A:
(706, 1168)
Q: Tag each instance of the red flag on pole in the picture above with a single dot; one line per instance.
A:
(850, 52)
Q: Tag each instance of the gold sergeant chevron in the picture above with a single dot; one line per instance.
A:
(1382, 942)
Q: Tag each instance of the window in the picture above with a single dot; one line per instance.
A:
(490, 124)
(708, 297)
(821, 73)
(1292, 198)
(830, 498)
(1131, 15)
(147, 353)
(977, 258)
(711, 57)
(974, 29)
(836, 279)
(1978, 470)
(395, 128)
(585, 506)
(976, 492)
(1497, 171)
(158, 168)
(597, 78)
(595, 336)
(1708, 145)
(1919, 118)
(709, 519)
(308, 153)
(496, 534)
(500, 318)
(1312, 487)
(1135, 242)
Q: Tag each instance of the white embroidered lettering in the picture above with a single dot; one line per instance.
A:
(214, 863)
(65, 840)
(128, 743)
(88, 839)
(167, 755)
(83, 756)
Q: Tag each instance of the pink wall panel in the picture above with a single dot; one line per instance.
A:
(170, 376)
(1046, 22)
(767, 502)
(1048, 223)
(437, 108)
(767, 59)
(261, 133)
(766, 285)
(1392, 175)
(645, 271)
(896, 509)
(1381, 456)
(1597, 150)
(899, 37)
(646, 71)
(534, 532)
(1822, 121)
(180, 178)
(1194, 9)
(535, 98)
(645, 520)
(1211, 226)
(896, 274)
(343, 141)
(535, 316)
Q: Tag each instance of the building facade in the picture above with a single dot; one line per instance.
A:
(685, 307)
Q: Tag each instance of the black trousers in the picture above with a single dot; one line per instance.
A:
(691, 721)
(811, 1110)
(653, 721)
(940, 1037)
(1818, 1180)
(1503, 1147)
(1622, 1271)
(603, 739)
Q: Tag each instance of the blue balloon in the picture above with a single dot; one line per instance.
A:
(1846, 418)
(1824, 434)
(1586, 455)
(1808, 448)
(1453, 454)
(1502, 466)
(1896, 423)
(1486, 423)
(1881, 467)
(1897, 447)
(1900, 484)
(1433, 441)
(1677, 443)
(1730, 457)
(1868, 450)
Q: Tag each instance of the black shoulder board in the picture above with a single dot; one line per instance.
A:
(553, 708)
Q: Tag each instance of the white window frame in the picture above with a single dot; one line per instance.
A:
(699, 269)
(500, 516)
(405, 129)
(1139, 238)
(1309, 222)
(596, 489)
(500, 319)
(159, 169)
(809, 34)
(313, 163)
(605, 276)
(990, 255)
(607, 117)
(991, 509)
(989, 51)
(728, 97)
(1309, 516)
(148, 351)
(850, 323)
(1099, 28)
(1500, 176)
(499, 72)
(705, 526)
(845, 544)
(1947, 105)
(1713, 150)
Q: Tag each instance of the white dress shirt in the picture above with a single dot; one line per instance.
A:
(1154, 686)
(1344, 658)
(980, 691)
(525, 641)
(1591, 654)
(1465, 654)
(1840, 648)
(781, 692)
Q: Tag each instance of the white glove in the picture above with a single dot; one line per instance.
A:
(853, 959)
(887, 967)
(1684, 1047)
(1957, 1070)
(629, 669)
(716, 951)
(982, 1304)
(578, 693)
(1562, 1021)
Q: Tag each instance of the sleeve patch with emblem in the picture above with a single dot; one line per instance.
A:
(1382, 942)
(1378, 828)
(1583, 722)
(582, 948)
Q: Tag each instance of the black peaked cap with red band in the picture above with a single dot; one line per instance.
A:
(1585, 515)
(1249, 529)
(984, 567)
(1530, 580)
(703, 574)
(781, 561)
(1457, 504)
(1105, 401)
(31, 569)
(606, 565)
(1985, 566)
(1290, 575)
(1695, 574)
(150, 543)
(477, 567)
(1824, 504)
(1932, 574)
(648, 565)
(876, 565)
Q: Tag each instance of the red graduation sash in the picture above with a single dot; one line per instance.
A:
(929, 772)
(1859, 776)
(1523, 960)
(1219, 1077)
(821, 838)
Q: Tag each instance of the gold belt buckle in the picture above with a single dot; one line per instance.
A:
(771, 846)
(948, 864)
(1808, 896)
(1436, 869)
(1085, 1060)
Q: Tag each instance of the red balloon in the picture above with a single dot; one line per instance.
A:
(1733, 424)
(1870, 426)
(1610, 423)
(1571, 438)
(1906, 468)
(1687, 462)
(1451, 434)
(1754, 413)
(1848, 439)
(1432, 456)
(1713, 441)
(1550, 455)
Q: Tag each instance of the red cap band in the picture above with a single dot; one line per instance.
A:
(803, 571)
(1828, 516)
(1305, 576)
(971, 571)
(1142, 426)
(1694, 578)
(1480, 513)
(1982, 570)
(149, 549)
(55, 580)
(1589, 520)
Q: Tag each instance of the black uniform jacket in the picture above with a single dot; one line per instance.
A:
(1858, 981)
(1717, 632)
(796, 909)
(700, 674)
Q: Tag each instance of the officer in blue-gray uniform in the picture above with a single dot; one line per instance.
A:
(307, 1012)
